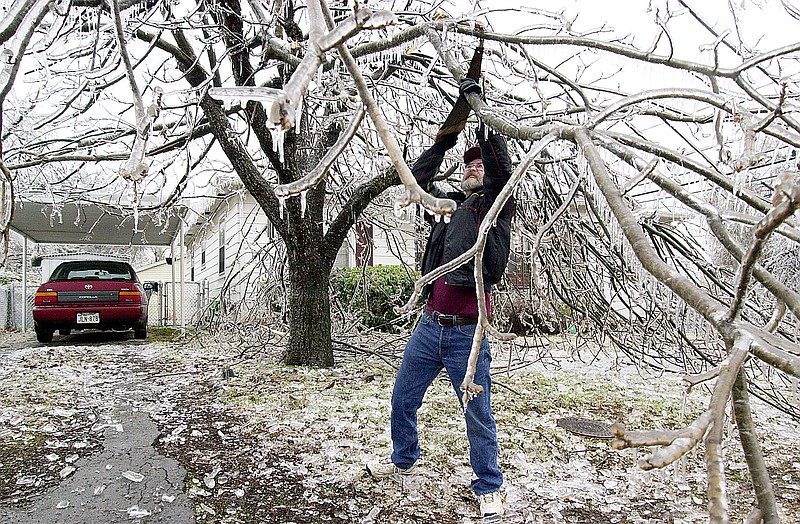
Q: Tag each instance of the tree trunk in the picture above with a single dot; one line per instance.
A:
(762, 486)
(309, 341)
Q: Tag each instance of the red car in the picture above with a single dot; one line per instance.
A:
(90, 294)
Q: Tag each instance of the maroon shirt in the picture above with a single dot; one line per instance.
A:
(455, 300)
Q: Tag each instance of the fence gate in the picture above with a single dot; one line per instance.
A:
(168, 308)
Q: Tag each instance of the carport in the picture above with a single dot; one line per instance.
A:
(93, 223)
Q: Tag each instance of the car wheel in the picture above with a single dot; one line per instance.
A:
(44, 335)
(140, 332)
(64, 332)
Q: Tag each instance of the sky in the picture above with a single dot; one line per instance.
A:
(762, 22)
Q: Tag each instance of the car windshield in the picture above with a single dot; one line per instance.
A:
(93, 270)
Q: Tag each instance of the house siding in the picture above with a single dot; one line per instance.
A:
(248, 235)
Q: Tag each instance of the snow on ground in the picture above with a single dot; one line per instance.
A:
(278, 444)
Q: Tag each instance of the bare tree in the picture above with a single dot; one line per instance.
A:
(659, 196)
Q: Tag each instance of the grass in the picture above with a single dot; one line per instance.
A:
(163, 334)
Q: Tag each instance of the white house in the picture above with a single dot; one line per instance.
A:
(229, 244)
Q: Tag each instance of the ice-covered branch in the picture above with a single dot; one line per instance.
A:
(414, 193)
(612, 140)
(319, 171)
(693, 380)
(284, 105)
(7, 202)
(11, 55)
(681, 285)
(777, 316)
(469, 388)
(655, 94)
(537, 242)
(628, 51)
(135, 169)
(362, 18)
(677, 443)
(786, 201)
(285, 109)
(775, 351)
(126, 60)
(715, 463)
(15, 14)
(713, 216)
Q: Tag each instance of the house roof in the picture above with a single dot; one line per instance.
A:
(91, 223)
(153, 265)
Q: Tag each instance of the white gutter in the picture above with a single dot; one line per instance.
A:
(24, 282)
(183, 281)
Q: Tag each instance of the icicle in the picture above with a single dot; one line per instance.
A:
(55, 213)
(281, 205)
(740, 181)
(278, 134)
(298, 115)
(398, 209)
(303, 204)
(135, 209)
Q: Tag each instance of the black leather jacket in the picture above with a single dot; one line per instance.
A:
(449, 240)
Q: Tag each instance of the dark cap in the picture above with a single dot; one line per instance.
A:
(473, 153)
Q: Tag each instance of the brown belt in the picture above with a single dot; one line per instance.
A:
(451, 320)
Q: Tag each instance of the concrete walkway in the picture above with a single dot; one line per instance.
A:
(128, 481)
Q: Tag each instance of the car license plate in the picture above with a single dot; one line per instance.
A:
(88, 318)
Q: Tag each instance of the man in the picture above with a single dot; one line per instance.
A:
(443, 337)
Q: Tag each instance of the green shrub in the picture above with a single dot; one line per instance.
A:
(373, 291)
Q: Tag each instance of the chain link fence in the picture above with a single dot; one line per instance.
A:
(165, 308)
(11, 306)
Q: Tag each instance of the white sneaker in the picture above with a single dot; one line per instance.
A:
(383, 468)
(491, 506)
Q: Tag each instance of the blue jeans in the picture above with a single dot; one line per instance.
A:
(431, 348)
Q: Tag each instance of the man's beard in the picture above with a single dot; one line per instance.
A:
(470, 184)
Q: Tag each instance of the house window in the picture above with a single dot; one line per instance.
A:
(221, 248)
(203, 253)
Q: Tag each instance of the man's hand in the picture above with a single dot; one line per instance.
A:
(469, 85)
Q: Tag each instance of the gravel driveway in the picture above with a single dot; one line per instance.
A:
(78, 433)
